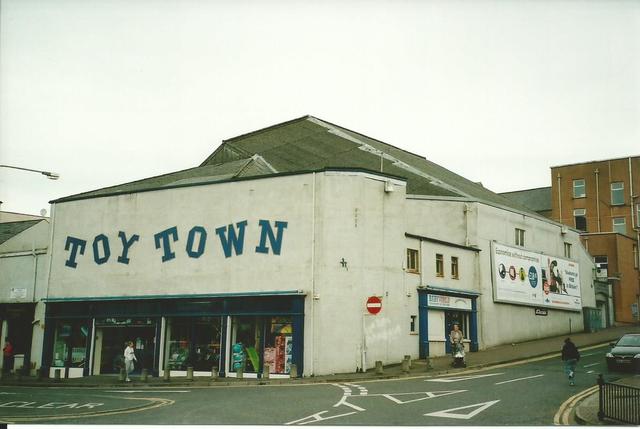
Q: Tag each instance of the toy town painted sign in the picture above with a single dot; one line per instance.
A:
(167, 242)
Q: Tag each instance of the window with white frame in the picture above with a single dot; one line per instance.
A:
(413, 261)
(580, 219)
(454, 268)
(619, 225)
(519, 237)
(413, 328)
(439, 265)
(617, 193)
(567, 250)
(579, 188)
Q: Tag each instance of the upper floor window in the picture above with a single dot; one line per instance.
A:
(413, 261)
(412, 325)
(619, 225)
(439, 265)
(454, 267)
(579, 188)
(602, 264)
(519, 237)
(567, 250)
(617, 193)
(580, 218)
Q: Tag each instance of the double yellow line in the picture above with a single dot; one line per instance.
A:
(565, 410)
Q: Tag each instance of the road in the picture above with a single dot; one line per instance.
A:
(527, 393)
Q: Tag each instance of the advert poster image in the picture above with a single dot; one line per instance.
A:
(535, 279)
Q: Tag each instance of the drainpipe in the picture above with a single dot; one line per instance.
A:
(597, 172)
(313, 274)
(559, 200)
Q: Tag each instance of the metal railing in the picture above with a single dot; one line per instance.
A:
(619, 402)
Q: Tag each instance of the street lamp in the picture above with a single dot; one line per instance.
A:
(48, 174)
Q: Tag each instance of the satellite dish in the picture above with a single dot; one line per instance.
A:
(43, 212)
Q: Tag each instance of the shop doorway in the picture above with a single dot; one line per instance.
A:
(111, 342)
(455, 317)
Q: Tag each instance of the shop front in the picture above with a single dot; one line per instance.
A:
(212, 333)
(441, 308)
(17, 328)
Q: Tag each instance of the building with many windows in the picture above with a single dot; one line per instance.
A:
(602, 200)
(304, 244)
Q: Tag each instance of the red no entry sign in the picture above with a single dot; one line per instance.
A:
(374, 305)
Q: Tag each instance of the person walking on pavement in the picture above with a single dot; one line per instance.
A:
(7, 354)
(570, 357)
(129, 358)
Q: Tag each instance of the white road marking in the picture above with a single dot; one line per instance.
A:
(589, 354)
(466, 377)
(591, 364)
(317, 417)
(343, 401)
(518, 379)
(590, 372)
(7, 393)
(478, 409)
(427, 395)
(363, 390)
(147, 391)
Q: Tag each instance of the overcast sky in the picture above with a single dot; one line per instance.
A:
(106, 92)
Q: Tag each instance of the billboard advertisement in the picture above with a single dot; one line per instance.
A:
(535, 279)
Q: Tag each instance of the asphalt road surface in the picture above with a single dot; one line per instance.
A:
(528, 393)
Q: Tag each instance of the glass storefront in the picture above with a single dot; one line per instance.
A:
(70, 344)
(193, 341)
(259, 341)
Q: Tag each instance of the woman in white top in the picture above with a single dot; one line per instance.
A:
(129, 358)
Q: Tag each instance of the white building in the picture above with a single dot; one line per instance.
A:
(23, 282)
(267, 253)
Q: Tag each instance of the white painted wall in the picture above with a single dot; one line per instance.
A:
(23, 267)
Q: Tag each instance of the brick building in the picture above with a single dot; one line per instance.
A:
(601, 199)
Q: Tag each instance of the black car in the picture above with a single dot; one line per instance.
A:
(625, 353)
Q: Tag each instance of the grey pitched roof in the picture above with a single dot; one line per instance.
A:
(311, 144)
(538, 199)
(11, 229)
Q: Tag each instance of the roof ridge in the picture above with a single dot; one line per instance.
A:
(262, 130)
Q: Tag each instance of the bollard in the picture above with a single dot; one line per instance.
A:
(379, 369)
(240, 372)
(293, 372)
(427, 362)
(190, 373)
(144, 375)
(56, 375)
(214, 373)
(123, 375)
(405, 365)
(167, 374)
(408, 357)
(265, 372)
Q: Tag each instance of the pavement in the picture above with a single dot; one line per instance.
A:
(585, 411)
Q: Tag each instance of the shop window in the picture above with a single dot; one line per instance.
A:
(278, 345)
(580, 219)
(413, 261)
(579, 188)
(619, 225)
(617, 193)
(567, 250)
(247, 337)
(194, 341)
(519, 237)
(70, 344)
(439, 265)
(454, 267)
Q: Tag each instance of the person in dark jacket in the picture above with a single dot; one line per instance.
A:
(570, 357)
